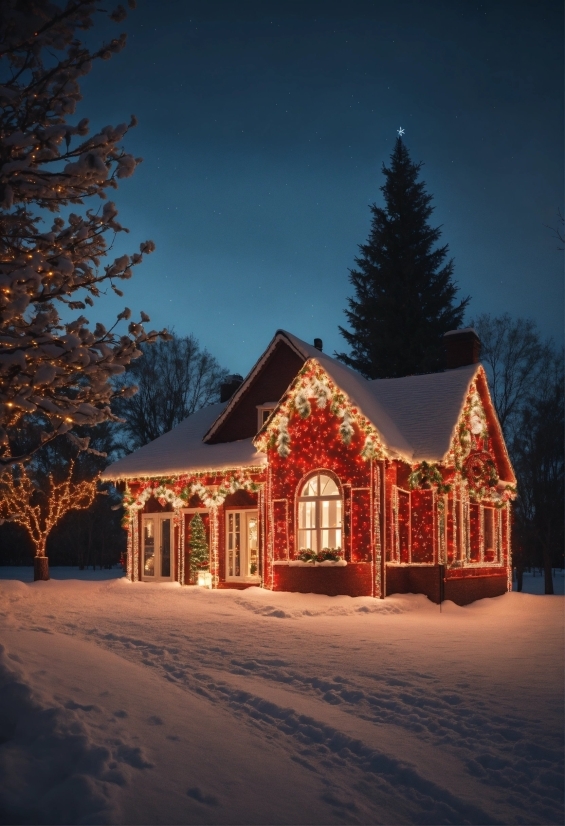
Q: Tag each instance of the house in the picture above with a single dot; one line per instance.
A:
(308, 477)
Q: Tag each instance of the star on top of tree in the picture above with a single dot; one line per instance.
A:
(400, 131)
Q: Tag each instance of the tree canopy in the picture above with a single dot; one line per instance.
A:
(58, 372)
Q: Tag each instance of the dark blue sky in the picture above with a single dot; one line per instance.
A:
(264, 125)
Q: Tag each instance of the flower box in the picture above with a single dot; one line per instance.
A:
(297, 563)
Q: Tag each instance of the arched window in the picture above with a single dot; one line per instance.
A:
(319, 514)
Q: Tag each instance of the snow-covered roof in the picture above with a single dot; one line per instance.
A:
(359, 392)
(182, 450)
(426, 408)
(416, 417)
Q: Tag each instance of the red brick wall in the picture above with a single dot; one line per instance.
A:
(315, 444)
(352, 580)
(466, 588)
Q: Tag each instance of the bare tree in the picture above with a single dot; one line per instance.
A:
(559, 230)
(60, 372)
(527, 391)
(174, 379)
(538, 454)
(515, 357)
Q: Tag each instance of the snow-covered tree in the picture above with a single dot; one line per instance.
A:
(38, 508)
(55, 371)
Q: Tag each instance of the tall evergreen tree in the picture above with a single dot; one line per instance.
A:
(404, 291)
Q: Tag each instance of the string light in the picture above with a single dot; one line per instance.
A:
(39, 510)
(434, 512)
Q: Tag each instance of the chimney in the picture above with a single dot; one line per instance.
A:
(229, 386)
(462, 347)
(318, 344)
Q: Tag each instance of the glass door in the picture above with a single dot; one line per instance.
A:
(156, 537)
(242, 547)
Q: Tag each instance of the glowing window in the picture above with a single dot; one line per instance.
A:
(319, 514)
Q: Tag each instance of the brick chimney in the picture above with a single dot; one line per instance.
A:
(229, 386)
(318, 344)
(462, 347)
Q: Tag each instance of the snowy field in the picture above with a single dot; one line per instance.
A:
(143, 703)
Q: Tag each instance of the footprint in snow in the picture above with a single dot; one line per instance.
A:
(200, 797)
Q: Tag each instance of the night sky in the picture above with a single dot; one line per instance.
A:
(264, 125)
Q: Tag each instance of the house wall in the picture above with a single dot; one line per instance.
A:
(317, 445)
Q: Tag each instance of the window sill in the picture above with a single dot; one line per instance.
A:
(250, 579)
(297, 563)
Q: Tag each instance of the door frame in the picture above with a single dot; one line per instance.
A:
(159, 519)
(245, 513)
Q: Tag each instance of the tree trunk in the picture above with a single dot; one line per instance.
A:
(519, 577)
(40, 568)
(547, 572)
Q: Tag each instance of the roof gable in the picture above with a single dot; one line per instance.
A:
(326, 383)
(266, 382)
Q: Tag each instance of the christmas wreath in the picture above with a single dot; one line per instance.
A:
(480, 472)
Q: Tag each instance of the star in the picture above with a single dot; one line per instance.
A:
(400, 131)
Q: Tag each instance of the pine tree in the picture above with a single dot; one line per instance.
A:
(404, 292)
(199, 554)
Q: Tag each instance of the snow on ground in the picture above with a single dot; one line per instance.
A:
(145, 703)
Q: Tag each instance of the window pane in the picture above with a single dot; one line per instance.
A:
(307, 539)
(252, 546)
(311, 487)
(327, 486)
(330, 513)
(306, 514)
(331, 537)
(149, 547)
(166, 547)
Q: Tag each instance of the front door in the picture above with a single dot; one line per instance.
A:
(157, 541)
(242, 548)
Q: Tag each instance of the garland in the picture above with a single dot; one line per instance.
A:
(179, 495)
(313, 385)
(427, 476)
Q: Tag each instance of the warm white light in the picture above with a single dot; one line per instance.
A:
(204, 579)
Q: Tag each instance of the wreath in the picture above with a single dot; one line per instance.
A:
(480, 472)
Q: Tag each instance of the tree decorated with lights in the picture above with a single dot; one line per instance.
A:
(38, 508)
(54, 371)
(198, 545)
(404, 291)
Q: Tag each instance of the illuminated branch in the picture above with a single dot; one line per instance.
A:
(38, 510)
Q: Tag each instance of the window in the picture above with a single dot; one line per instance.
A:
(489, 535)
(319, 514)
(263, 412)
(156, 546)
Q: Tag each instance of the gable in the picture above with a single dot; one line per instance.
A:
(313, 389)
(478, 431)
(267, 382)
